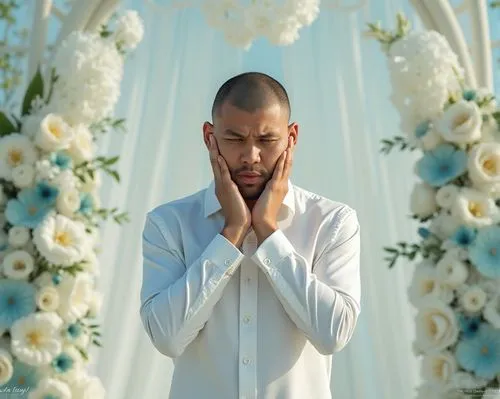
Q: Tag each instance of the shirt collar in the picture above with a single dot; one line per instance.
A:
(212, 204)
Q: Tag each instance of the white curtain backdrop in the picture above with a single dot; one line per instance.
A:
(338, 84)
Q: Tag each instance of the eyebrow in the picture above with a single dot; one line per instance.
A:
(229, 132)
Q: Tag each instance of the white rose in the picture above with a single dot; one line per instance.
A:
(436, 326)
(75, 293)
(18, 265)
(54, 133)
(446, 195)
(19, 236)
(47, 299)
(484, 166)
(461, 123)
(452, 271)
(439, 367)
(473, 299)
(425, 283)
(68, 202)
(6, 368)
(423, 200)
(81, 148)
(23, 176)
(474, 208)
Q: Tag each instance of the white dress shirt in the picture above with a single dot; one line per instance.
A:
(251, 322)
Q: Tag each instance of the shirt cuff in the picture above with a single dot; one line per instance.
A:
(273, 250)
(223, 254)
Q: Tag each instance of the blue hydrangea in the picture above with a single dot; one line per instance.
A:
(61, 159)
(86, 204)
(464, 236)
(17, 300)
(442, 165)
(484, 252)
(47, 193)
(480, 354)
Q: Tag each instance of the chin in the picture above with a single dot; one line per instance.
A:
(251, 193)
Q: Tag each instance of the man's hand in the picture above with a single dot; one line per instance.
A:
(265, 211)
(236, 213)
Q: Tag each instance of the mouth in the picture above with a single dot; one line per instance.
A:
(249, 178)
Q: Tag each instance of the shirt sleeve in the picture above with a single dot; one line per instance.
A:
(178, 299)
(322, 299)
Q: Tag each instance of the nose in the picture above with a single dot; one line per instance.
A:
(250, 154)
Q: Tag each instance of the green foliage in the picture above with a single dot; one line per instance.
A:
(398, 141)
(6, 125)
(386, 37)
(34, 90)
(430, 249)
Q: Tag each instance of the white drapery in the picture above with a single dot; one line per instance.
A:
(338, 84)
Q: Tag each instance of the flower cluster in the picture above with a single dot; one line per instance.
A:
(456, 285)
(279, 22)
(50, 216)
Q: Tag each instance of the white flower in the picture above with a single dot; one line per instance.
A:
(446, 195)
(481, 94)
(474, 208)
(54, 133)
(423, 200)
(444, 225)
(47, 299)
(95, 304)
(45, 170)
(76, 371)
(68, 202)
(82, 147)
(455, 251)
(75, 294)
(91, 263)
(15, 150)
(23, 176)
(473, 299)
(36, 338)
(461, 123)
(129, 30)
(88, 387)
(6, 368)
(491, 311)
(90, 71)
(425, 283)
(484, 166)
(19, 236)
(18, 265)
(439, 367)
(51, 387)
(61, 240)
(44, 279)
(66, 180)
(451, 271)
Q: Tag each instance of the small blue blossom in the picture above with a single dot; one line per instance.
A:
(441, 165)
(56, 279)
(424, 232)
(62, 363)
(61, 159)
(469, 95)
(469, 325)
(484, 252)
(86, 204)
(464, 236)
(74, 330)
(47, 193)
(422, 129)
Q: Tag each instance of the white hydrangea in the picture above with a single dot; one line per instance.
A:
(129, 30)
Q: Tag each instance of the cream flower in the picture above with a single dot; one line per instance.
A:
(474, 208)
(444, 225)
(439, 367)
(461, 123)
(51, 387)
(91, 263)
(95, 304)
(6, 368)
(446, 195)
(61, 240)
(47, 299)
(44, 170)
(68, 202)
(88, 387)
(23, 176)
(129, 30)
(484, 166)
(18, 265)
(436, 326)
(19, 236)
(54, 133)
(491, 311)
(36, 338)
(423, 200)
(473, 299)
(451, 271)
(15, 150)
(425, 283)
(66, 180)
(75, 293)
(75, 372)
(81, 148)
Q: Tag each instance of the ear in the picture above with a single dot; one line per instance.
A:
(293, 131)
(208, 129)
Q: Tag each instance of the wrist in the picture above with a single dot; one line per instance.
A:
(264, 230)
(234, 234)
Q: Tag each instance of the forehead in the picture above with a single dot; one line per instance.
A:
(272, 116)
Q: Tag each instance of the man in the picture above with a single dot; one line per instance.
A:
(251, 284)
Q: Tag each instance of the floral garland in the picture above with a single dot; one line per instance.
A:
(456, 284)
(50, 214)
(278, 22)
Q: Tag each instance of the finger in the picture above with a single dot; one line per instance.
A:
(278, 171)
(224, 170)
(288, 161)
(213, 160)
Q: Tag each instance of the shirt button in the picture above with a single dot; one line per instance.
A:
(246, 360)
(246, 319)
(267, 261)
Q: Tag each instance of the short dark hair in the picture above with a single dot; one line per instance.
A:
(251, 91)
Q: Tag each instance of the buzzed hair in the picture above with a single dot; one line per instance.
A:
(251, 91)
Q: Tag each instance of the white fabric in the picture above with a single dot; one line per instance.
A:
(298, 295)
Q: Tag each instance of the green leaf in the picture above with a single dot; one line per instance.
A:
(95, 342)
(35, 88)
(391, 250)
(6, 126)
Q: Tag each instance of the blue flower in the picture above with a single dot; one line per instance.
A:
(422, 129)
(74, 330)
(484, 252)
(47, 193)
(469, 95)
(424, 232)
(469, 325)
(61, 159)
(62, 363)
(86, 204)
(481, 353)
(28, 210)
(442, 165)
(17, 300)
(464, 236)
(56, 279)
(24, 377)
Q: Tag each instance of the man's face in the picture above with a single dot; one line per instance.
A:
(251, 143)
